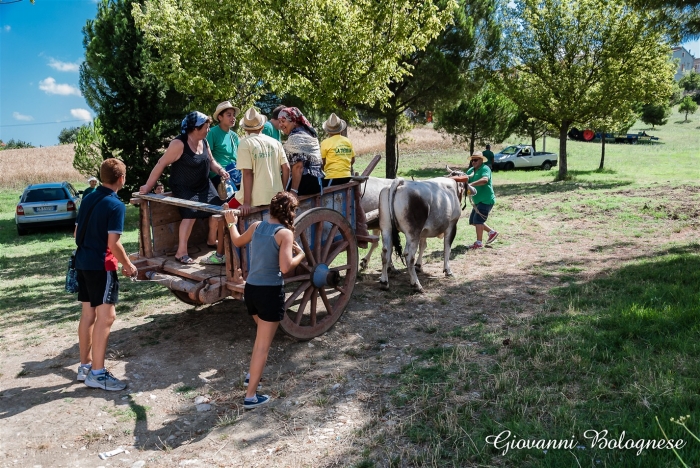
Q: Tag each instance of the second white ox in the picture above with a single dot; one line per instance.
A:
(419, 209)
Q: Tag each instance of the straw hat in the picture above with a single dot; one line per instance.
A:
(252, 120)
(334, 124)
(479, 155)
(91, 179)
(225, 106)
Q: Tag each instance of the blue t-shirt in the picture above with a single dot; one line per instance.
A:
(107, 218)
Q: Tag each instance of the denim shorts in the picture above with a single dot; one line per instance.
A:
(476, 218)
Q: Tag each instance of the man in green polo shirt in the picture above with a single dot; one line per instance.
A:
(489, 156)
(479, 177)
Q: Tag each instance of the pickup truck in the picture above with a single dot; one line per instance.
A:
(523, 156)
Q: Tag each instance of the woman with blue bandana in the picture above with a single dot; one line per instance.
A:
(191, 160)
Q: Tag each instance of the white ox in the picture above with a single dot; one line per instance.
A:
(419, 209)
(370, 191)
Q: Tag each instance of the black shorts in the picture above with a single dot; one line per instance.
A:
(98, 287)
(267, 302)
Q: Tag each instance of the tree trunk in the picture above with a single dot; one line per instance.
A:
(544, 142)
(534, 142)
(602, 151)
(473, 136)
(391, 139)
(563, 168)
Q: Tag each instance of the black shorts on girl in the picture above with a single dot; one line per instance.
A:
(98, 287)
(267, 302)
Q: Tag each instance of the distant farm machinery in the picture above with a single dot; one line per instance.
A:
(590, 135)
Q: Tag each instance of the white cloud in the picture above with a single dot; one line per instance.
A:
(7, 28)
(63, 66)
(82, 114)
(23, 117)
(50, 86)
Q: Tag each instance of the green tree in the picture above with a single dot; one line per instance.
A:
(332, 55)
(17, 144)
(688, 106)
(655, 114)
(486, 117)
(582, 61)
(525, 126)
(138, 112)
(681, 18)
(690, 81)
(68, 135)
(89, 149)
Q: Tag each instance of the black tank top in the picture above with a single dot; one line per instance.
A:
(191, 171)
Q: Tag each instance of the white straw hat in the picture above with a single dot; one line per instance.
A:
(225, 106)
(252, 120)
(334, 124)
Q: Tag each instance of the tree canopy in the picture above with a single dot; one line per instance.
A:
(688, 106)
(578, 62)
(655, 114)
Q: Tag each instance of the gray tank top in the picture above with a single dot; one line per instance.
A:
(265, 256)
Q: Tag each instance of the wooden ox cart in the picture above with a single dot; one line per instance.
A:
(317, 292)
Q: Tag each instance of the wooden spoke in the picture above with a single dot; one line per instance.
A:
(341, 268)
(340, 289)
(317, 242)
(314, 300)
(340, 246)
(326, 302)
(294, 279)
(329, 242)
(293, 297)
(302, 306)
(305, 266)
(307, 249)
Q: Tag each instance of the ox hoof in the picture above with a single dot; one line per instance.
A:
(448, 273)
(363, 264)
(417, 288)
(384, 286)
(419, 268)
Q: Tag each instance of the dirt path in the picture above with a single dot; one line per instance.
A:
(333, 400)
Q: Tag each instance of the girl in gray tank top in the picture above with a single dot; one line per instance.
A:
(273, 253)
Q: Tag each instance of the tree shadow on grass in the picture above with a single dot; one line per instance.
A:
(556, 187)
(424, 173)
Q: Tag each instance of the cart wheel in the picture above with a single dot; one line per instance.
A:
(320, 288)
(184, 297)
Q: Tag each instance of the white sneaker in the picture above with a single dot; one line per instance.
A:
(83, 371)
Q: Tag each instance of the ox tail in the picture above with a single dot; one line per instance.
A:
(395, 239)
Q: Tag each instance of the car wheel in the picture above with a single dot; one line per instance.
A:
(21, 231)
(546, 166)
(509, 166)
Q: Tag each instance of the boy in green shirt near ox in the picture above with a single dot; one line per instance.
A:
(479, 177)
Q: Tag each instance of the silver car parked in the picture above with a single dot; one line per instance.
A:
(51, 204)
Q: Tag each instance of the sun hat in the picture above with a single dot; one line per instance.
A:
(252, 120)
(334, 124)
(479, 155)
(222, 106)
(91, 179)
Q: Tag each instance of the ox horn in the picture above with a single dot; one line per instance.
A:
(448, 168)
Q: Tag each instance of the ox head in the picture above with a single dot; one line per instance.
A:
(463, 188)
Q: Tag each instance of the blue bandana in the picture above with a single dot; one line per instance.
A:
(192, 120)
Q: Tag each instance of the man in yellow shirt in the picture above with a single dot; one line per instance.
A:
(337, 153)
(260, 159)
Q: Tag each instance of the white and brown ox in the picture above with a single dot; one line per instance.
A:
(370, 191)
(419, 209)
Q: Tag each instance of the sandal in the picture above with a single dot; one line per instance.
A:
(185, 259)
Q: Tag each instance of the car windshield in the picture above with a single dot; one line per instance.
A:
(45, 195)
(510, 150)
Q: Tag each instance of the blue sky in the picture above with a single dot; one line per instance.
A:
(41, 47)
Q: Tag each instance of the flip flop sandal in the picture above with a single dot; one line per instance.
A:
(185, 259)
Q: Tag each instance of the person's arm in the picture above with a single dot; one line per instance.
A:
(239, 240)
(247, 191)
(291, 254)
(117, 249)
(285, 175)
(172, 154)
(297, 171)
(483, 181)
(216, 168)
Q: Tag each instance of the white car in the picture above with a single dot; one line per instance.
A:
(51, 204)
(524, 156)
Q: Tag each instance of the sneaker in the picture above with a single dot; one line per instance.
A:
(246, 381)
(104, 381)
(260, 400)
(476, 245)
(215, 259)
(492, 237)
(83, 371)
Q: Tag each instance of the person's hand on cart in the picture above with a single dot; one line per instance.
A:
(230, 217)
(296, 248)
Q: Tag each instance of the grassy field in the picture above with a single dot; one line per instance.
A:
(613, 344)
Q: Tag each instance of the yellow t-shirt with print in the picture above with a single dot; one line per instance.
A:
(337, 153)
(265, 156)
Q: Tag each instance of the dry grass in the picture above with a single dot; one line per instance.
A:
(21, 167)
(421, 138)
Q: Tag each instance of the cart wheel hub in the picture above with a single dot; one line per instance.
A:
(323, 276)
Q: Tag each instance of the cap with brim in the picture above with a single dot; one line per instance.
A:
(252, 120)
(479, 155)
(334, 124)
(222, 106)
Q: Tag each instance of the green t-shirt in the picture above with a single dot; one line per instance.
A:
(224, 146)
(489, 156)
(484, 193)
(271, 131)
